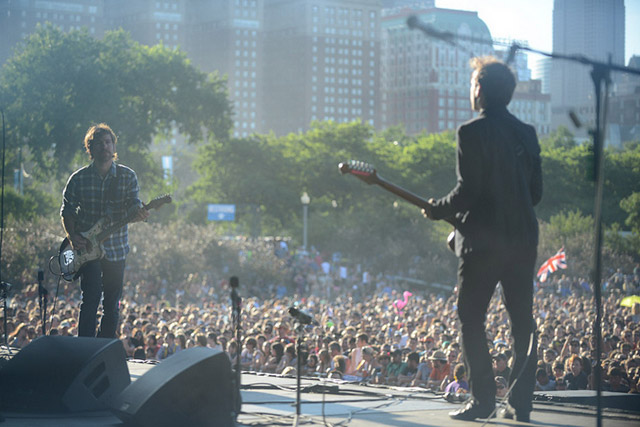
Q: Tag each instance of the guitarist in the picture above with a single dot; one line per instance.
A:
(499, 182)
(101, 189)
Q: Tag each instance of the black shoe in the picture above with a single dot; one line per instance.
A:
(509, 412)
(471, 411)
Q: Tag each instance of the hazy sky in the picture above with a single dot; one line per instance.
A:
(531, 20)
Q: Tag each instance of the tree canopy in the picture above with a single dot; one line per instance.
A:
(58, 84)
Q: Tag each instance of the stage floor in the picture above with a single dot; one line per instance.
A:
(271, 400)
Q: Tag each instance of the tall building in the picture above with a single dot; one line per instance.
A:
(321, 62)
(593, 28)
(426, 81)
(542, 71)
(18, 19)
(624, 105)
(227, 36)
(531, 105)
(150, 22)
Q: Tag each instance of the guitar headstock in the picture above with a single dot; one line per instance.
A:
(361, 170)
(158, 201)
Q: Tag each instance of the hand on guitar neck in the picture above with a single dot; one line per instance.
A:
(142, 215)
(426, 210)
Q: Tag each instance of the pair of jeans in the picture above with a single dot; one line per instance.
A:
(100, 279)
(478, 274)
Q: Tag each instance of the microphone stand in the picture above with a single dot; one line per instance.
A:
(299, 328)
(42, 300)
(4, 287)
(236, 305)
(600, 74)
(4, 294)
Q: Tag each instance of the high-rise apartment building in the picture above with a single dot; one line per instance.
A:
(150, 22)
(425, 81)
(532, 106)
(18, 19)
(593, 28)
(227, 36)
(321, 62)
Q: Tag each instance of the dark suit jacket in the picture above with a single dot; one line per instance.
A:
(499, 182)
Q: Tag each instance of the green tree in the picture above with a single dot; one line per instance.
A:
(58, 84)
(631, 206)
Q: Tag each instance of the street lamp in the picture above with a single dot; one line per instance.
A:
(305, 199)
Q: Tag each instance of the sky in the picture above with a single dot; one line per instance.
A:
(531, 20)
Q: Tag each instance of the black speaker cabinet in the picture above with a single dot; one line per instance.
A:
(191, 388)
(64, 374)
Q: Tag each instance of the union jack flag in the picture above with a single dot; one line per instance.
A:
(559, 260)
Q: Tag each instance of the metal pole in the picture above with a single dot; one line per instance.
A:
(305, 208)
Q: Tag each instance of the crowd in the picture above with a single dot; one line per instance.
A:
(360, 333)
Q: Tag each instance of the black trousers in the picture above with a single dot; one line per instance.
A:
(478, 275)
(100, 280)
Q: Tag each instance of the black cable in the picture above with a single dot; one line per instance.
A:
(530, 351)
(53, 309)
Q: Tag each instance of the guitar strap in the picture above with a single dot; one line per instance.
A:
(113, 187)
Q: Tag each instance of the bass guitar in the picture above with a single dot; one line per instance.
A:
(72, 260)
(368, 174)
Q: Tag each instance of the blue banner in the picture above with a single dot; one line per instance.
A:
(221, 212)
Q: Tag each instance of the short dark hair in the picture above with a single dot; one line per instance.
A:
(496, 80)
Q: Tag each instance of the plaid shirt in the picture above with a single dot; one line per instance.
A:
(87, 198)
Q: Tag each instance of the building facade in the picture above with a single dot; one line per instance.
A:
(532, 106)
(149, 22)
(322, 61)
(227, 37)
(19, 18)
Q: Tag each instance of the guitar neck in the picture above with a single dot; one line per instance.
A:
(407, 195)
(116, 226)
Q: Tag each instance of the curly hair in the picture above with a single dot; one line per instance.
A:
(96, 131)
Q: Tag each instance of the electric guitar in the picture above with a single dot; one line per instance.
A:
(72, 260)
(368, 174)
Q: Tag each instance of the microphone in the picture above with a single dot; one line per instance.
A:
(414, 23)
(574, 118)
(301, 316)
(512, 53)
(233, 281)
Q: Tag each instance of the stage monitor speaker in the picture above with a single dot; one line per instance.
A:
(64, 374)
(191, 388)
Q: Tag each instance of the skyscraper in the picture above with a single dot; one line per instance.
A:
(593, 28)
(321, 62)
(18, 19)
(227, 36)
(150, 22)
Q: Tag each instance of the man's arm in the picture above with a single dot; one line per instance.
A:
(68, 212)
(469, 170)
(133, 201)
